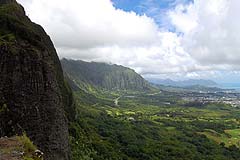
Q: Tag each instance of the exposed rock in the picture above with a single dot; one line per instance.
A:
(33, 94)
(39, 154)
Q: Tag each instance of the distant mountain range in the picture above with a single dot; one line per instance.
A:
(87, 75)
(184, 83)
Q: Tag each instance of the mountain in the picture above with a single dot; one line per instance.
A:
(184, 83)
(34, 97)
(102, 75)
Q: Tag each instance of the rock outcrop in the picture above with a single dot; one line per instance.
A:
(34, 97)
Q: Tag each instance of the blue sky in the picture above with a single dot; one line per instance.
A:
(155, 9)
(143, 6)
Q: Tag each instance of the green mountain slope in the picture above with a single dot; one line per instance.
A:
(104, 76)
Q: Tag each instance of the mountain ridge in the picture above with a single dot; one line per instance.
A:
(103, 75)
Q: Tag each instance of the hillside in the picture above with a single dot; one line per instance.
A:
(33, 94)
(102, 75)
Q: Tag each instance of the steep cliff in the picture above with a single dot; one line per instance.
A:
(34, 97)
(102, 75)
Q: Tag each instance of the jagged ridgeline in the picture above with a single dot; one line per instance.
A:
(103, 76)
(34, 97)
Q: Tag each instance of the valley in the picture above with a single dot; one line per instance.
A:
(70, 109)
(156, 124)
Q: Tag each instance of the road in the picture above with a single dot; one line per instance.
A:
(116, 101)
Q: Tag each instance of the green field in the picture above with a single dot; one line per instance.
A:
(142, 127)
(229, 137)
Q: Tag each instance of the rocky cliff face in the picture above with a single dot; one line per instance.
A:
(33, 94)
(102, 75)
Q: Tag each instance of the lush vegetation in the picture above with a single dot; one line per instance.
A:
(152, 126)
(105, 76)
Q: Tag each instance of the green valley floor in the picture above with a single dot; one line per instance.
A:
(153, 126)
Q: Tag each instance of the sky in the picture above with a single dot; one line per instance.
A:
(177, 39)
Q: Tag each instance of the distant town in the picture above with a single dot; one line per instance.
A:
(231, 97)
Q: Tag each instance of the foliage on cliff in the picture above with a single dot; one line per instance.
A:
(102, 75)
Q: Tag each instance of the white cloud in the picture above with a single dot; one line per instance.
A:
(211, 31)
(91, 23)
(94, 30)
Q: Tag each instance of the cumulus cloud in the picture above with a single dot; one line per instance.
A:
(95, 30)
(91, 23)
(211, 31)
(206, 38)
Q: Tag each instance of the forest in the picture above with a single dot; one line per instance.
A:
(139, 128)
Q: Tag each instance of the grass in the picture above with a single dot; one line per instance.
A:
(229, 137)
(21, 145)
(235, 137)
(28, 146)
